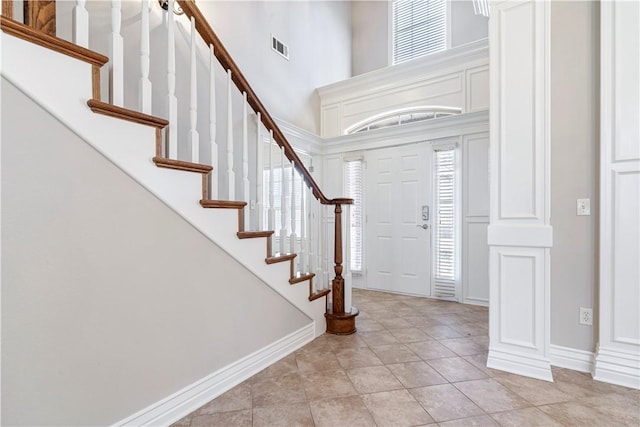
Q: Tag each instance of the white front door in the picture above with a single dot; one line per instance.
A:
(398, 248)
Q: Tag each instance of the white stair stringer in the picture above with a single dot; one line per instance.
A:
(62, 85)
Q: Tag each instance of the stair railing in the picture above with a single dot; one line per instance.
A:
(307, 219)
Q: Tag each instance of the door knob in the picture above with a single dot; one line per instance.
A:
(423, 226)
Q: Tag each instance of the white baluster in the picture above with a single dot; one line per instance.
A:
(321, 279)
(80, 22)
(144, 85)
(231, 177)
(293, 237)
(245, 159)
(259, 172)
(116, 53)
(194, 137)
(212, 125)
(303, 228)
(272, 210)
(172, 101)
(311, 239)
(347, 259)
(283, 204)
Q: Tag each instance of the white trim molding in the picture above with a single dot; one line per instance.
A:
(571, 358)
(193, 396)
(618, 355)
(520, 235)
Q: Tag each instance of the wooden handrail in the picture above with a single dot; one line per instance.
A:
(209, 36)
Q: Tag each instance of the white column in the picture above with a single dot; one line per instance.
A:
(346, 251)
(194, 137)
(293, 237)
(172, 101)
(283, 204)
(144, 85)
(259, 172)
(245, 160)
(272, 210)
(80, 18)
(231, 177)
(212, 125)
(519, 234)
(116, 55)
(618, 353)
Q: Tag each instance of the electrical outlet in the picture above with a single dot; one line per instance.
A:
(586, 316)
(583, 207)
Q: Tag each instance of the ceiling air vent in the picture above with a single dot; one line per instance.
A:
(279, 47)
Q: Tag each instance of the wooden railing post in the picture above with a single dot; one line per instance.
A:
(7, 9)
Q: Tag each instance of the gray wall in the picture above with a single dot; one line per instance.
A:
(371, 45)
(574, 142)
(110, 300)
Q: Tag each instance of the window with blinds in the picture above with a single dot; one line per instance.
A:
(353, 173)
(419, 28)
(445, 232)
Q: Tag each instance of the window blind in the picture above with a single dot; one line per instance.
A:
(419, 28)
(445, 215)
(353, 172)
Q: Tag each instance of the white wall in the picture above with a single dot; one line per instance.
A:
(110, 300)
(371, 45)
(574, 142)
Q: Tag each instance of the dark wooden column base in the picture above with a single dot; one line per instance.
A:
(341, 323)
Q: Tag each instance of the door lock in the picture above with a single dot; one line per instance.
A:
(423, 226)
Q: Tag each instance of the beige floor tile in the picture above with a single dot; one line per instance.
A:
(445, 402)
(536, 392)
(316, 361)
(491, 396)
(577, 414)
(472, 329)
(224, 419)
(480, 362)
(365, 325)
(440, 332)
(373, 379)
(344, 411)
(464, 346)
(283, 416)
(339, 342)
(286, 365)
(396, 408)
(236, 399)
(481, 421)
(531, 417)
(582, 384)
(395, 353)
(456, 369)
(183, 422)
(285, 389)
(430, 350)
(623, 408)
(357, 358)
(378, 338)
(393, 322)
(411, 334)
(416, 374)
(327, 385)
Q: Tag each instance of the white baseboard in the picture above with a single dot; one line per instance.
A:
(190, 398)
(571, 358)
(520, 364)
(617, 367)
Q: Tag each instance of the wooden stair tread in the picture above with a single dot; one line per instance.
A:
(222, 204)
(319, 294)
(59, 45)
(301, 277)
(162, 162)
(253, 234)
(126, 114)
(279, 258)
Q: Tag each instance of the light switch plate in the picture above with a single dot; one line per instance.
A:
(583, 207)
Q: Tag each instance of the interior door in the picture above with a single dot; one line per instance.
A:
(398, 248)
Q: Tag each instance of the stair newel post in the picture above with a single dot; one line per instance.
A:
(293, 237)
(80, 23)
(337, 287)
(212, 125)
(144, 85)
(194, 137)
(172, 100)
(245, 159)
(303, 227)
(259, 171)
(272, 210)
(231, 177)
(116, 54)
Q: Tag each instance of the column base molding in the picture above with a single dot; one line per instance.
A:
(520, 364)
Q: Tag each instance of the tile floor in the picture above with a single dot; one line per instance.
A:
(413, 361)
